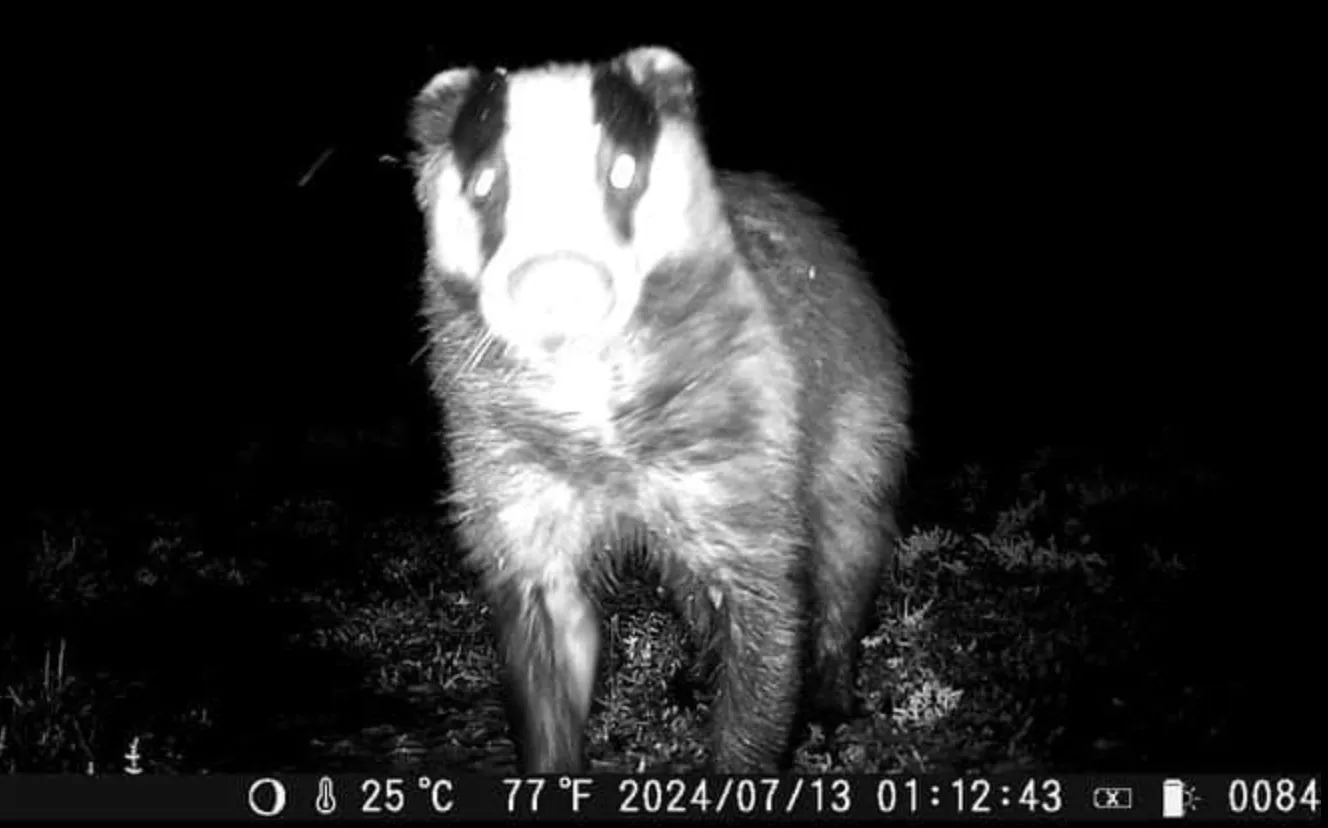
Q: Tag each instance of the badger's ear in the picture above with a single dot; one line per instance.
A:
(664, 76)
(435, 108)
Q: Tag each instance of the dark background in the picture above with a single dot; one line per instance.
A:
(1068, 227)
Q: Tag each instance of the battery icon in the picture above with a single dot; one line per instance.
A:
(1177, 798)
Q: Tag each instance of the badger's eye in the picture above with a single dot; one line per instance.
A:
(623, 171)
(482, 185)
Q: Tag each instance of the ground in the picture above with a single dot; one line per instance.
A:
(1054, 616)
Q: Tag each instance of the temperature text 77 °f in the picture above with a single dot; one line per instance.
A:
(524, 795)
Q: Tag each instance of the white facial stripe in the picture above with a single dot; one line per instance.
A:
(680, 209)
(456, 231)
(554, 198)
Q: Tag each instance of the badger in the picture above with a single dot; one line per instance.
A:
(629, 347)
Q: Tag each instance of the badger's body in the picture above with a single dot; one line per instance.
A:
(630, 348)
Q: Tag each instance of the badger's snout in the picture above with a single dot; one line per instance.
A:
(561, 295)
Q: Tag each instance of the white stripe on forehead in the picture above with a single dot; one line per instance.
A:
(551, 121)
(551, 148)
(538, 92)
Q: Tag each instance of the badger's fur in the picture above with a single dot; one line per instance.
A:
(628, 346)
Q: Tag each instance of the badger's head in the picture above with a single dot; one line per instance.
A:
(551, 194)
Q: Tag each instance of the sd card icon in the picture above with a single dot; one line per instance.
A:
(1113, 798)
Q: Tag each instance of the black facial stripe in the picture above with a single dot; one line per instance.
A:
(619, 205)
(631, 124)
(481, 122)
(626, 114)
(492, 210)
(477, 147)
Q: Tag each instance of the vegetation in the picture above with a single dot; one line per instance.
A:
(1032, 623)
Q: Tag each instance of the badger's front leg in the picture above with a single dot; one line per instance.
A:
(548, 635)
(530, 544)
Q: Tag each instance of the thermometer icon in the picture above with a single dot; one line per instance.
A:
(325, 803)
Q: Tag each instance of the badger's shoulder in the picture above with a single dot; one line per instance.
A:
(780, 227)
(810, 274)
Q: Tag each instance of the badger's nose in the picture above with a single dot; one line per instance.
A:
(562, 294)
